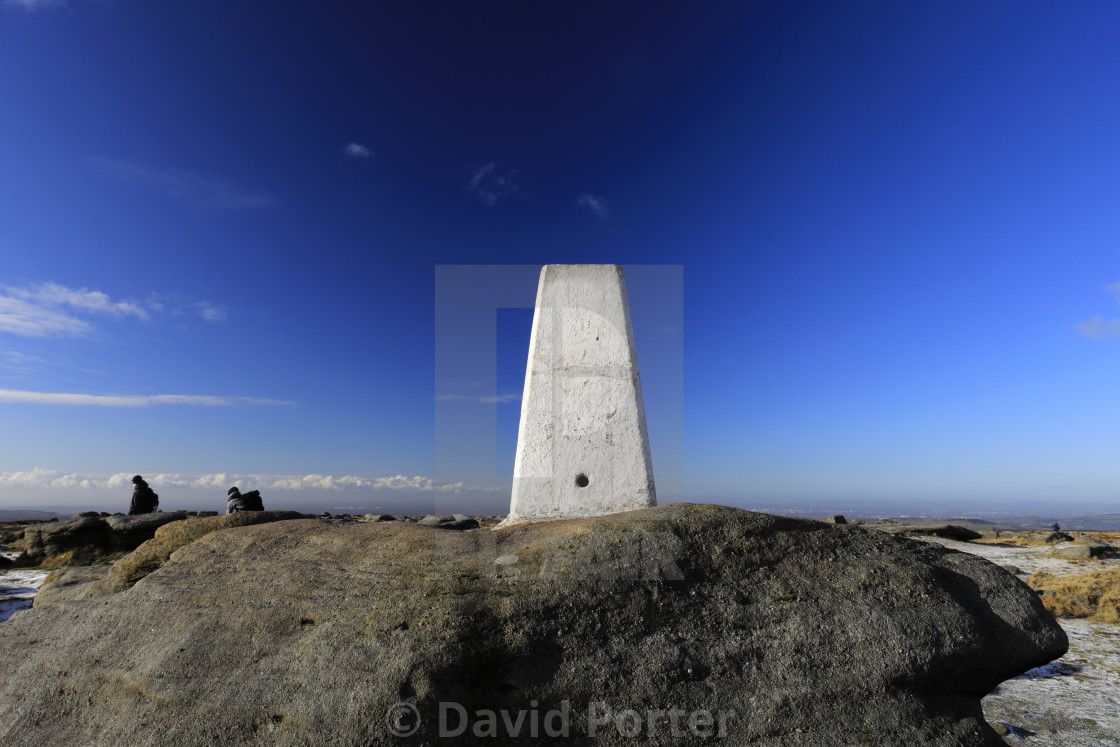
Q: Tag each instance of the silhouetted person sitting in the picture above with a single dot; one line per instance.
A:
(144, 499)
(250, 501)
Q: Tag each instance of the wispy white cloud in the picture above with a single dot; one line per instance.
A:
(30, 320)
(211, 312)
(357, 150)
(205, 192)
(130, 400)
(42, 478)
(84, 299)
(1114, 289)
(177, 305)
(50, 309)
(488, 399)
(22, 363)
(595, 204)
(32, 5)
(1099, 328)
(490, 185)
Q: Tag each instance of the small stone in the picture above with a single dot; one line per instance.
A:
(379, 517)
(1095, 550)
(506, 560)
(460, 525)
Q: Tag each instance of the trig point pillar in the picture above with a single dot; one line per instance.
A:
(582, 446)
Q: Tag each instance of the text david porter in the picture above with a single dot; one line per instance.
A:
(454, 721)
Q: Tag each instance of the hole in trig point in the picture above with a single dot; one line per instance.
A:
(582, 481)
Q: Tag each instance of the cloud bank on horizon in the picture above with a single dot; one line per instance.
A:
(38, 478)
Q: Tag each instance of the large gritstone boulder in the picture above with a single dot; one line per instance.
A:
(672, 625)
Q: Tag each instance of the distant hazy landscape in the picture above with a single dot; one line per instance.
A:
(1071, 520)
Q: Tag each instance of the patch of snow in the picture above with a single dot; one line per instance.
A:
(17, 589)
(1071, 702)
(1027, 559)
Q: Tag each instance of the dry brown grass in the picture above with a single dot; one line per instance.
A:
(1109, 537)
(1094, 595)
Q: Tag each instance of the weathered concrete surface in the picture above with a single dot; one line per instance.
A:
(582, 445)
(301, 632)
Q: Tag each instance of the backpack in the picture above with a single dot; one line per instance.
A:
(253, 501)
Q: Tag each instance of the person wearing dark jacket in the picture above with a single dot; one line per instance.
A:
(250, 501)
(144, 499)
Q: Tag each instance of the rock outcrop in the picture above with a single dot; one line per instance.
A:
(129, 532)
(454, 521)
(155, 552)
(88, 534)
(379, 517)
(1086, 551)
(946, 531)
(665, 624)
(81, 534)
(67, 584)
(1057, 537)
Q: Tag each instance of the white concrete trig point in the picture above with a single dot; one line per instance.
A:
(582, 445)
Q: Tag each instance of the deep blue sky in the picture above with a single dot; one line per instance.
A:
(896, 226)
